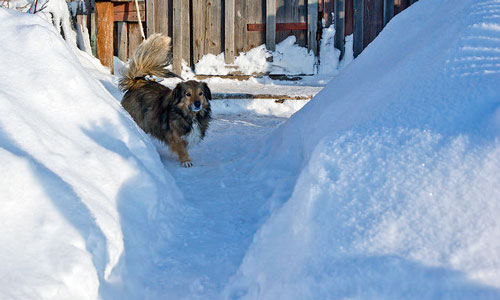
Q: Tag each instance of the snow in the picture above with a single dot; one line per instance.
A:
(288, 58)
(398, 192)
(384, 186)
(84, 194)
(262, 107)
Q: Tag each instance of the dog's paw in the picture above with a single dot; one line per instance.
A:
(187, 164)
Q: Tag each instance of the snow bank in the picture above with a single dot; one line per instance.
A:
(289, 58)
(84, 194)
(399, 156)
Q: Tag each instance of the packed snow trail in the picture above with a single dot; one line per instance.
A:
(227, 199)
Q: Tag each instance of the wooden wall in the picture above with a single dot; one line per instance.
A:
(199, 27)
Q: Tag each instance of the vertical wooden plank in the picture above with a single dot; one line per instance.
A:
(161, 16)
(122, 41)
(105, 33)
(229, 31)
(388, 11)
(213, 27)
(291, 11)
(177, 37)
(339, 26)
(186, 38)
(358, 26)
(134, 37)
(240, 26)
(312, 25)
(93, 32)
(271, 25)
(198, 30)
(150, 17)
(400, 5)
(373, 20)
(349, 17)
(255, 13)
(328, 12)
(90, 6)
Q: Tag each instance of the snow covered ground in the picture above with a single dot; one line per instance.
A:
(384, 186)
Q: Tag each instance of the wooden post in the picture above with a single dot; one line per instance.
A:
(312, 25)
(105, 33)
(358, 26)
(271, 25)
(388, 11)
(339, 26)
(177, 37)
(122, 37)
(150, 17)
(229, 32)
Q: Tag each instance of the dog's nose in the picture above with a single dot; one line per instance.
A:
(197, 104)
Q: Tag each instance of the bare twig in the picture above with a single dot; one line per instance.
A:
(4, 4)
(34, 7)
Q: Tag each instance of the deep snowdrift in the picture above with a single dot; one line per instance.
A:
(84, 195)
(399, 191)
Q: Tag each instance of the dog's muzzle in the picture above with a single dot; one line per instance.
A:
(196, 107)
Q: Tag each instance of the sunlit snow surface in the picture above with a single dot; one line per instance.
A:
(399, 191)
(84, 197)
(384, 186)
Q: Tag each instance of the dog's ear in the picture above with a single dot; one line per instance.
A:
(206, 91)
(178, 93)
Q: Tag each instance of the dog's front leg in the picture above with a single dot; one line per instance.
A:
(179, 146)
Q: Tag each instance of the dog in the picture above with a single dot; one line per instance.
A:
(179, 117)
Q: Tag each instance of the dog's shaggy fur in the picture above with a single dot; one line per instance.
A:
(178, 117)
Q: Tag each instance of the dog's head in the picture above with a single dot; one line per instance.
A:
(192, 96)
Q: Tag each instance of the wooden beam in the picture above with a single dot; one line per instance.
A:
(279, 27)
(271, 25)
(358, 26)
(150, 17)
(243, 96)
(312, 21)
(105, 33)
(340, 26)
(126, 12)
(177, 37)
(229, 24)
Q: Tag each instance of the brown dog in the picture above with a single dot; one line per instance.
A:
(178, 117)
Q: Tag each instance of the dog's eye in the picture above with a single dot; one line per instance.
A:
(188, 94)
(201, 94)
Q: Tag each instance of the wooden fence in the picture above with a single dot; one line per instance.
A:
(199, 27)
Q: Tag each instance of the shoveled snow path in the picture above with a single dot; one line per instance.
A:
(227, 206)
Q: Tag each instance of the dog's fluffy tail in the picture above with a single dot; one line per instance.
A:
(150, 58)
